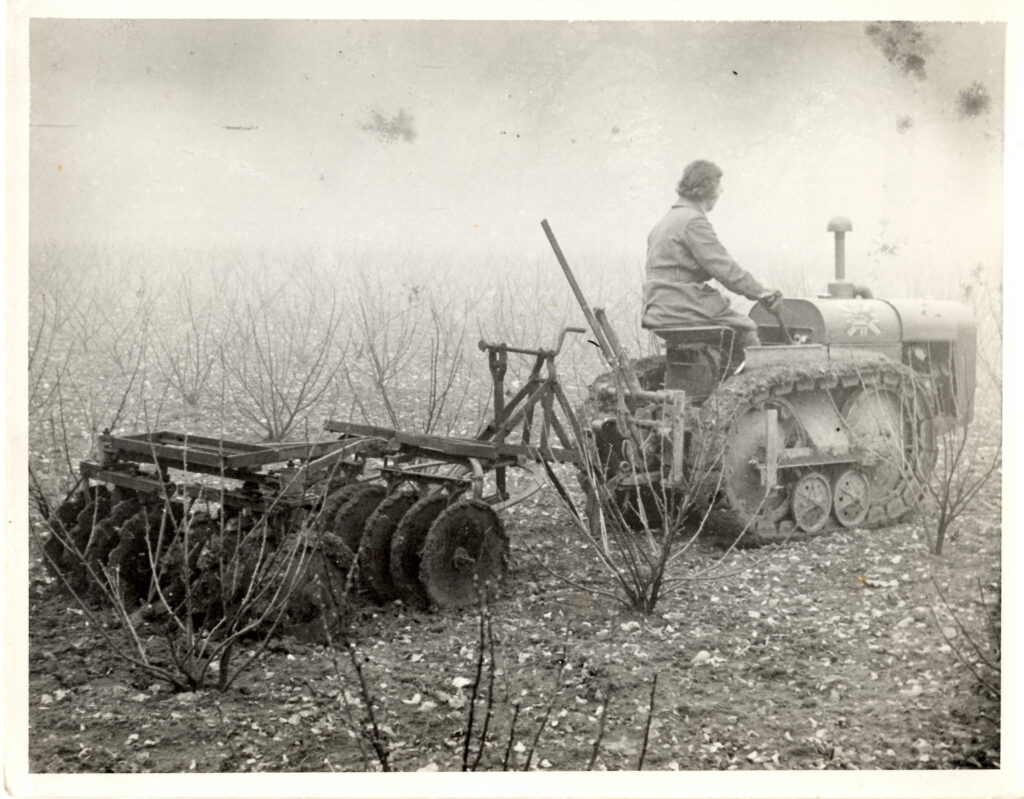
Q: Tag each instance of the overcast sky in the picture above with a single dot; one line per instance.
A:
(449, 137)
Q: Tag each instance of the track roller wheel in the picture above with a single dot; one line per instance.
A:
(352, 516)
(466, 552)
(378, 533)
(851, 497)
(812, 502)
(407, 547)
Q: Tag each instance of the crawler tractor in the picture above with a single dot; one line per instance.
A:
(832, 421)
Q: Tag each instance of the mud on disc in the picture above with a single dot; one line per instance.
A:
(377, 535)
(351, 517)
(407, 546)
(466, 552)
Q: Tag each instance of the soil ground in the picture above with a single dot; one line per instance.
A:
(837, 652)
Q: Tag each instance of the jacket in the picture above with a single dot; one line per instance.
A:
(683, 253)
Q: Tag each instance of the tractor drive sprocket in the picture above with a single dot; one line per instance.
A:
(378, 532)
(884, 408)
(465, 556)
(407, 548)
(637, 505)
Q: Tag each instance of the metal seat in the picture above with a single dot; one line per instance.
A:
(678, 336)
(697, 357)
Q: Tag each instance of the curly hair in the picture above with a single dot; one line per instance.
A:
(700, 181)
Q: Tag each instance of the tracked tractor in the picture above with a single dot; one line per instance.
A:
(833, 421)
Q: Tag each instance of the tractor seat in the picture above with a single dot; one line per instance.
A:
(683, 335)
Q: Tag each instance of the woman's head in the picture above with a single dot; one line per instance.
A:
(700, 182)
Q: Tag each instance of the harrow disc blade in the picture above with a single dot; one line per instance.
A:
(351, 517)
(61, 522)
(148, 534)
(106, 534)
(130, 557)
(327, 511)
(96, 509)
(407, 547)
(465, 554)
(377, 536)
(80, 536)
(332, 573)
(179, 568)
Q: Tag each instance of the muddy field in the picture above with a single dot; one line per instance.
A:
(857, 649)
(835, 653)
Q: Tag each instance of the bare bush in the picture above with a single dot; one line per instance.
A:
(986, 300)
(979, 651)
(283, 354)
(967, 463)
(643, 514)
(79, 405)
(188, 352)
(388, 336)
(367, 728)
(49, 355)
(186, 584)
(124, 329)
(409, 363)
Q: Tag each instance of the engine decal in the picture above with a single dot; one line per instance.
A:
(861, 319)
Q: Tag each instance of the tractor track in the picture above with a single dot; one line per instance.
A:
(729, 523)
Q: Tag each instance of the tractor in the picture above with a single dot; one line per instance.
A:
(832, 421)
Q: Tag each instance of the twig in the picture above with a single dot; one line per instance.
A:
(511, 735)
(468, 735)
(550, 703)
(600, 726)
(376, 737)
(647, 726)
(360, 733)
(492, 669)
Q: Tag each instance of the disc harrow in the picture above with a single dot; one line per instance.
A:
(832, 423)
(399, 515)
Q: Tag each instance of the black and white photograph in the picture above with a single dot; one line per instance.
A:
(548, 392)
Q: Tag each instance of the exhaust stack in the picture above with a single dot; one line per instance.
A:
(841, 288)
